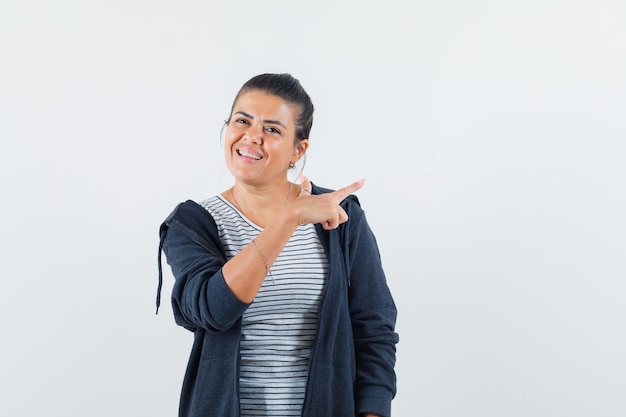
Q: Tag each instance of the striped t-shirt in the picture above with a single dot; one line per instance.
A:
(279, 327)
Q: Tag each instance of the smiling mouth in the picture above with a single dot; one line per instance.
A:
(248, 155)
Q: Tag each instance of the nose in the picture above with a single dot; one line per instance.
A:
(254, 134)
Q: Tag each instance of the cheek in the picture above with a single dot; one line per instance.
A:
(228, 140)
(280, 151)
(227, 147)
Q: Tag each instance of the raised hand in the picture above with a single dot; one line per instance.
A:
(323, 208)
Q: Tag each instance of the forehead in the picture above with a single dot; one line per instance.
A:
(259, 104)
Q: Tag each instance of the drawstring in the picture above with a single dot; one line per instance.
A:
(158, 297)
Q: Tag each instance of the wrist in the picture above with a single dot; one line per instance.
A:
(291, 216)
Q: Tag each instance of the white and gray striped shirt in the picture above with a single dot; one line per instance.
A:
(279, 327)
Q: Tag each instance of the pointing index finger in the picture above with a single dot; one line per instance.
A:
(344, 192)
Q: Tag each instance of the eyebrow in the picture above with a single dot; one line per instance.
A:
(273, 122)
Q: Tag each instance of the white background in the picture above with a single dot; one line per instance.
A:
(491, 135)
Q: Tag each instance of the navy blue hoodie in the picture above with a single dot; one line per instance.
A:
(352, 364)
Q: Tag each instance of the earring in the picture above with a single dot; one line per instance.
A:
(292, 165)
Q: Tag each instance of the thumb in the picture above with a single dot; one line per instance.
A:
(305, 185)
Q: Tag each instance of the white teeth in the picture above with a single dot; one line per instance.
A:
(249, 155)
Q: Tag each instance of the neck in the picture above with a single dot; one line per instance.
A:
(253, 199)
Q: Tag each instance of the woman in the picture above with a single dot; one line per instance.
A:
(281, 283)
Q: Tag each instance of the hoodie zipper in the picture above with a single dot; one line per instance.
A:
(237, 370)
(315, 345)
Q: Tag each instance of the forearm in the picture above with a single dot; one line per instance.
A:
(245, 272)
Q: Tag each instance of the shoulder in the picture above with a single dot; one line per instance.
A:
(190, 215)
(190, 223)
(187, 212)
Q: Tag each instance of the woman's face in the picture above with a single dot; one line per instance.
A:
(259, 143)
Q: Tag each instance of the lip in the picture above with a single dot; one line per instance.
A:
(248, 154)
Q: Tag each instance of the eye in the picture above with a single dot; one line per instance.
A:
(273, 130)
(240, 121)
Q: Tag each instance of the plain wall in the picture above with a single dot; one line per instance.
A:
(491, 134)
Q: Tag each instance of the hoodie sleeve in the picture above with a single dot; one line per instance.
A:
(200, 296)
(373, 315)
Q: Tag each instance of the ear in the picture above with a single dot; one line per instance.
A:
(300, 148)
